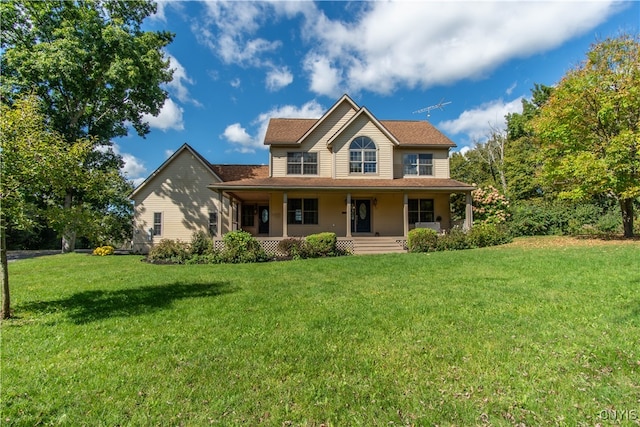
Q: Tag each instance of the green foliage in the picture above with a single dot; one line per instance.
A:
(96, 74)
(90, 61)
(201, 243)
(241, 247)
(422, 240)
(321, 244)
(480, 236)
(589, 127)
(295, 248)
(169, 251)
(558, 217)
(454, 240)
(488, 234)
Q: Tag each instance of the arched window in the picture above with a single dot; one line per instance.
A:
(362, 156)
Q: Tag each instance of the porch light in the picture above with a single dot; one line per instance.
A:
(375, 202)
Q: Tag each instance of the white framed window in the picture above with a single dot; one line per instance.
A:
(157, 223)
(299, 163)
(363, 156)
(418, 164)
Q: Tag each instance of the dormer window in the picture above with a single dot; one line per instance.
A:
(363, 156)
(418, 164)
(302, 163)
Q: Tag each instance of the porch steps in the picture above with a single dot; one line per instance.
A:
(376, 245)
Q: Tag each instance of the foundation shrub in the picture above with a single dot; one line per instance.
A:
(201, 243)
(422, 240)
(170, 251)
(456, 239)
(293, 247)
(242, 247)
(321, 244)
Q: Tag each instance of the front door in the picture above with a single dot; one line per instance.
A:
(361, 216)
(263, 219)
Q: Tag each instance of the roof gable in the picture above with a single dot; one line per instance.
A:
(284, 131)
(294, 131)
(178, 152)
(363, 112)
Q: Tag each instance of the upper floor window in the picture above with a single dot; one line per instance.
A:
(418, 164)
(362, 156)
(302, 163)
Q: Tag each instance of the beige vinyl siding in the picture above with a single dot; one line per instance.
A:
(441, 207)
(179, 191)
(331, 214)
(314, 142)
(440, 162)
(363, 127)
(279, 160)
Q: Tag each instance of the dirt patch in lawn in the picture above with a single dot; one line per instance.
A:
(569, 241)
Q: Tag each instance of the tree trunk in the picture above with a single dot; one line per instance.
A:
(626, 206)
(6, 300)
(69, 234)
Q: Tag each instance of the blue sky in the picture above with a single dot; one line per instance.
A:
(238, 63)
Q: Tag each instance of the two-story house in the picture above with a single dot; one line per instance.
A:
(347, 172)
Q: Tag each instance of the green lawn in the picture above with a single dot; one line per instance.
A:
(499, 336)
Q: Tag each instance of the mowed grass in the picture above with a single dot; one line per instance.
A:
(501, 336)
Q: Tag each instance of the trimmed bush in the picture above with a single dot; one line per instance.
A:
(293, 247)
(455, 240)
(167, 250)
(321, 244)
(484, 235)
(422, 240)
(241, 247)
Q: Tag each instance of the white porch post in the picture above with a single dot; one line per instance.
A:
(220, 213)
(405, 214)
(468, 217)
(285, 214)
(348, 214)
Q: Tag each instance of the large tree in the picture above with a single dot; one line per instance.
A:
(589, 128)
(35, 164)
(95, 69)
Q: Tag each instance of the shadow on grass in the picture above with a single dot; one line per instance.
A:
(90, 306)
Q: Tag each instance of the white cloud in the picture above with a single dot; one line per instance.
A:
(235, 83)
(170, 117)
(228, 30)
(278, 78)
(325, 79)
(177, 86)
(238, 135)
(244, 142)
(384, 46)
(429, 43)
(133, 167)
(511, 88)
(168, 153)
(476, 124)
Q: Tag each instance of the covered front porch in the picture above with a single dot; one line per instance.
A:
(277, 214)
